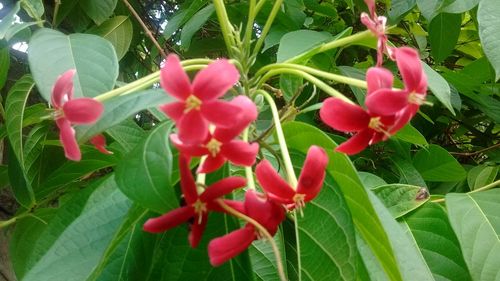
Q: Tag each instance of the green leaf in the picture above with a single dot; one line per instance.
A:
(79, 247)
(436, 164)
(8, 19)
(4, 65)
(34, 149)
(18, 27)
(409, 134)
(370, 180)
(459, 6)
(488, 20)
(480, 176)
(117, 30)
(443, 35)
(429, 8)
(194, 24)
(439, 87)
(289, 85)
(4, 176)
(407, 172)
(128, 134)
(431, 230)
(401, 199)
(147, 177)
(98, 10)
(297, 42)
(21, 188)
(34, 8)
(474, 217)
(349, 71)
(92, 56)
(263, 259)
(300, 137)
(118, 109)
(399, 8)
(182, 16)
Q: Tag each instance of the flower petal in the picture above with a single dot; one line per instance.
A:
(344, 116)
(192, 128)
(99, 141)
(63, 88)
(221, 113)
(356, 143)
(82, 110)
(240, 153)
(403, 118)
(264, 211)
(230, 245)
(386, 101)
(174, 110)
(188, 185)
(169, 220)
(313, 173)
(378, 78)
(248, 113)
(174, 80)
(211, 164)
(409, 65)
(197, 230)
(215, 80)
(191, 150)
(272, 182)
(222, 187)
(68, 140)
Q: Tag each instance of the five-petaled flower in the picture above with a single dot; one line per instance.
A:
(197, 205)
(221, 145)
(198, 104)
(258, 207)
(405, 103)
(309, 183)
(70, 111)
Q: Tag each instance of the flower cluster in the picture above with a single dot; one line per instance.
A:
(208, 127)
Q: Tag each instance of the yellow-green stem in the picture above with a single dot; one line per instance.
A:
(225, 24)
(267, 25)
(249, 28)
(297, 245)
(486, 187)
(248, 169)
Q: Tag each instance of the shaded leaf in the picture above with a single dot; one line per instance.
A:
(117, 30)
(436, 164)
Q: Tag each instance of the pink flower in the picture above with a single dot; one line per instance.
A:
(220, 145)
(198, 103)
(197, 205)
(403, 104)
(99, 141)
(309, 185)
(377, 25)
(265, 212)
(70, 111)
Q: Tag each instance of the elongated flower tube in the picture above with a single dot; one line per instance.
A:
(69, 111)
(197, 104)
(377, 25)
(99, 142)
(197, 205)
(309, 184)
(221, 145)
(404, 104)
(258, 207)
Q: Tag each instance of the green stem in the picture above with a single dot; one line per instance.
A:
(248, 169)
(287, 161)
(225, 24)
(7, 222)
(486, 187)
(249, 28)
(297, 244)
(320, 84)
(267, 25)
(334, 77)
(57, 3)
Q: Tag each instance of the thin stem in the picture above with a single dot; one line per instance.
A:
(225, 24)
(320, 84)
(267, 25)
(287, 161)
(248, 169)
(297, 244)
(468, 154)
(57, 3)
(334, 77)
(249, 28)
(486, 187)
(145, 28)
(263, 231)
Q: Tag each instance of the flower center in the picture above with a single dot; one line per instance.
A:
(416, 98)
(199, 208)
(213, 147)
(192, 102)
(377, 125)
(299, 200)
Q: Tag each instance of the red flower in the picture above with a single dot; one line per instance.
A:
(198, 103)
(265, 212)
(405, 103)
(377, 25)
(99, 141)
(70, 111)
(197, 205)
(220, 145)
(309, 185)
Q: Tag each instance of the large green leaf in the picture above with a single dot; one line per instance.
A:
(431, 230)
(128, 134)
(98, 10)
(4, 65)
(117, 30)
(194, 24)
(487, 17)
(400, 8)
(443, 35)
(429, 8)
(439, 87)
(459, 6)
(436, 164)
(482, 175)
(474, 217)
(8, 19)
(401, 199)
(34, 8)
(120, 108)
(409, 134)
(92, 56)
(146, 177)
(300, 137)
(78, 248)
(297, 42)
